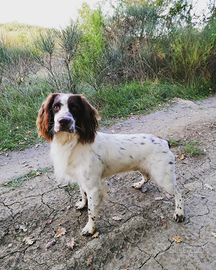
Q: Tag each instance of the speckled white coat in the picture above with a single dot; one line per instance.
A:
(110, 154)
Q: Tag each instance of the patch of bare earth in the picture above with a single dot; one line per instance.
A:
(135, 230)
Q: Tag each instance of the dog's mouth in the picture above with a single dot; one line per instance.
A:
(65, 124)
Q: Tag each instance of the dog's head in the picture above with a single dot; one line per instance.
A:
(67, 113)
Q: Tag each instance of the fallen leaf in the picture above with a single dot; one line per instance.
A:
(214, 234)
(23, 228)
(181, 156)
(116, 218)
(21, 143)
(159, 198)
(28, 240)
(48, 221)
(71, 243)
(126, 266)
(144, 189)
(208, 186)
(168, 196)
(49, 244)
(164, 224)
(28, 131)
(177, 239)
(89, 260)
(61, 231)
(95, 235)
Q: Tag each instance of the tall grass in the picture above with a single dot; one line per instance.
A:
(125, 63)
(18, 112)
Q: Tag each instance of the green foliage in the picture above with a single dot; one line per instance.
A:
(92, 44)
(128, 62)
(18, 112)
(69, 39)
(135, 97)
(190, 52)
(19, 180)
(45, 43)
(190, 148)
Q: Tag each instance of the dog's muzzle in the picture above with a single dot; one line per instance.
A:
(66, 124)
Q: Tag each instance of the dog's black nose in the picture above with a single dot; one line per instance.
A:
(65, 122)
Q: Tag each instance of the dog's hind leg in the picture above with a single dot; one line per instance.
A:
(172, 189)
(141, 183)
(179, 207)
(167, 180)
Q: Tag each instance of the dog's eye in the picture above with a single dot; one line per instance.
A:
(74, 110)
(56, 108)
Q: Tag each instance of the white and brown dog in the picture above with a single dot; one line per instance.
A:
(85, 156)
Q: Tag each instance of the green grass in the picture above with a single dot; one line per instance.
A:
(174, 143)
(18, 113)
(137, 97)
(71, 187)
(190, 148)
(19, 180)
(19, 108)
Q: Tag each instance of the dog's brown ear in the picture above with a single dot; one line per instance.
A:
(45, 119)
(86, 122)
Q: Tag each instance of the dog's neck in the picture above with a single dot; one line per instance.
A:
(64, 138)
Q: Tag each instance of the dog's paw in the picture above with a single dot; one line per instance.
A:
(88, 229)
(80, 204)
(178, 215)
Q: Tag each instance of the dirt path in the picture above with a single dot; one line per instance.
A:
(131, 224)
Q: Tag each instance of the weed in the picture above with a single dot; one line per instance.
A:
(188, 148)
(31, 175)
(191, 149)
(71, 187)
(174, 143)
(135, 97)
(18, 113)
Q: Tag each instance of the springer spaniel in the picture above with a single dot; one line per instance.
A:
(81, 154)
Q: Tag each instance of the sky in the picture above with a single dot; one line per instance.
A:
(49, 13)
(46, 13)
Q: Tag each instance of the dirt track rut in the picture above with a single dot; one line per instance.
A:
(135, 230)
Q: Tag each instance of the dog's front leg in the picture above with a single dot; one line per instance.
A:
(94, 200)
(82, 203)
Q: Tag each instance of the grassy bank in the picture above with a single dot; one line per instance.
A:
(18, 109)
(125, 63)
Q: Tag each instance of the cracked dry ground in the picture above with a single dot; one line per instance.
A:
(131, 223)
